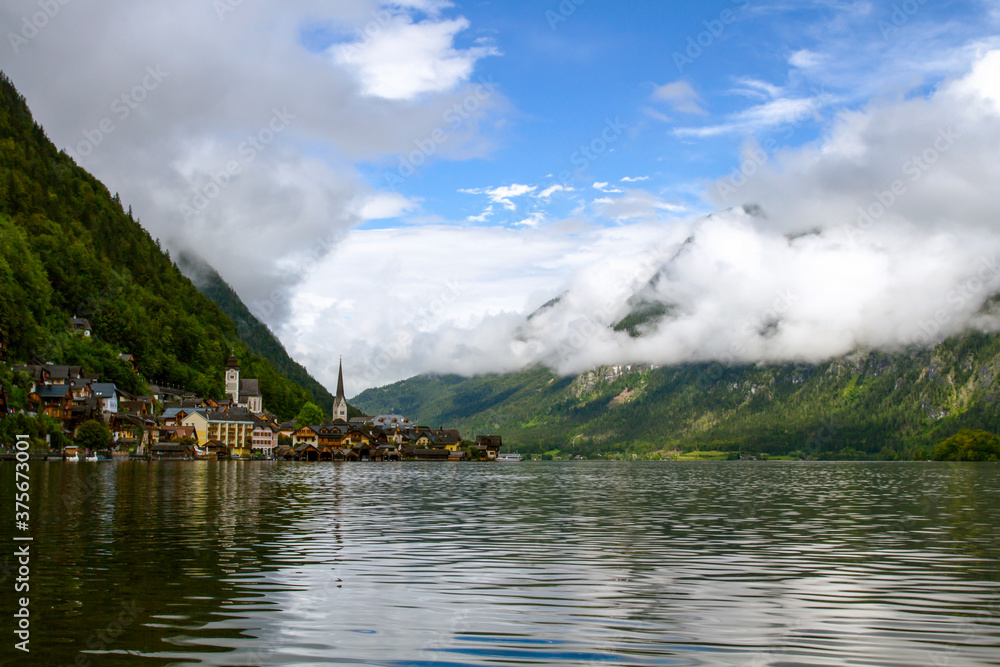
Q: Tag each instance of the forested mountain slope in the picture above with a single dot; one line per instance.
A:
(866, 405)
(68, 248)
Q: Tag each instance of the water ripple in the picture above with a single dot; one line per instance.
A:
(478, 564)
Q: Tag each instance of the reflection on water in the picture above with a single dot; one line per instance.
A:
(536, 563)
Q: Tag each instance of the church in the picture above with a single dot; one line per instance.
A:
(245, 393)
(340, 401)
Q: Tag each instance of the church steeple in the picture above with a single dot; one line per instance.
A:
(233, 378)
(340, 401)
(340, 380)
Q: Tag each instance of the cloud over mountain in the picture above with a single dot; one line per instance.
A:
(882, 234)
(243, 145)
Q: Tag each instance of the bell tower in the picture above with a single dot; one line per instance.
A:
(233, 379)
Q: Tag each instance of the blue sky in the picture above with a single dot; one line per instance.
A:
(555, 157)
(566, 73)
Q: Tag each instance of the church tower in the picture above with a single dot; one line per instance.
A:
(233, 379)
(339, 401)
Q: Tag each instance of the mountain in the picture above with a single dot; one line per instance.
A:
(866, 405)
(69, 249)
(252, 331)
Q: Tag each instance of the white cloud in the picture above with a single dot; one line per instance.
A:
(680, 96)
(406, 58)
(809, 279)
(605, 187)
(383, 206)
(805, 59)
(446, 299)
(783, 111)
(656, 115)
(758, 89)
(482, 217)
(635, 205)
(549, 191)
(634, 179)
(221, 82)
(504, 194)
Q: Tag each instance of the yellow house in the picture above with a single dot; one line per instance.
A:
(234, 430)
(200, 423)
(356, 437)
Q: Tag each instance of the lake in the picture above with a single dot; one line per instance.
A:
(585, 563)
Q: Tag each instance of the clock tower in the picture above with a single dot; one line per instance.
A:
(233, 379)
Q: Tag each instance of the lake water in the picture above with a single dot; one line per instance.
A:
(729, 563)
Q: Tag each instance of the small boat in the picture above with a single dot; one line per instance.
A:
(510, 458)
(91, 458)
(73, 459)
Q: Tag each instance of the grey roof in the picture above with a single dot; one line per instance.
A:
(36, 371)
(170, 447)
(53, 391)
(104, 389)
(64, 372)
(170, 413)
(249, 387)
(235, 416)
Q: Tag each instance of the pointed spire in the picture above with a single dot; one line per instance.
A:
(340, 401)
(340, 379)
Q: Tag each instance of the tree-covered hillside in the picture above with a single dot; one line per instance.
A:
(866, 405)
(68, 248)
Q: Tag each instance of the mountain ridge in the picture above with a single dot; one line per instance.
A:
(865, 405)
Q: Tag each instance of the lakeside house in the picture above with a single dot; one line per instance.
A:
(175, 424)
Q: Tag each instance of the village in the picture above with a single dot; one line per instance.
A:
(170, 423)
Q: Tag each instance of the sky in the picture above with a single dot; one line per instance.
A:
(407, 184)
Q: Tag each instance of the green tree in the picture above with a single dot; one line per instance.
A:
(969, 445)
(309, 414)
(92, 435)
